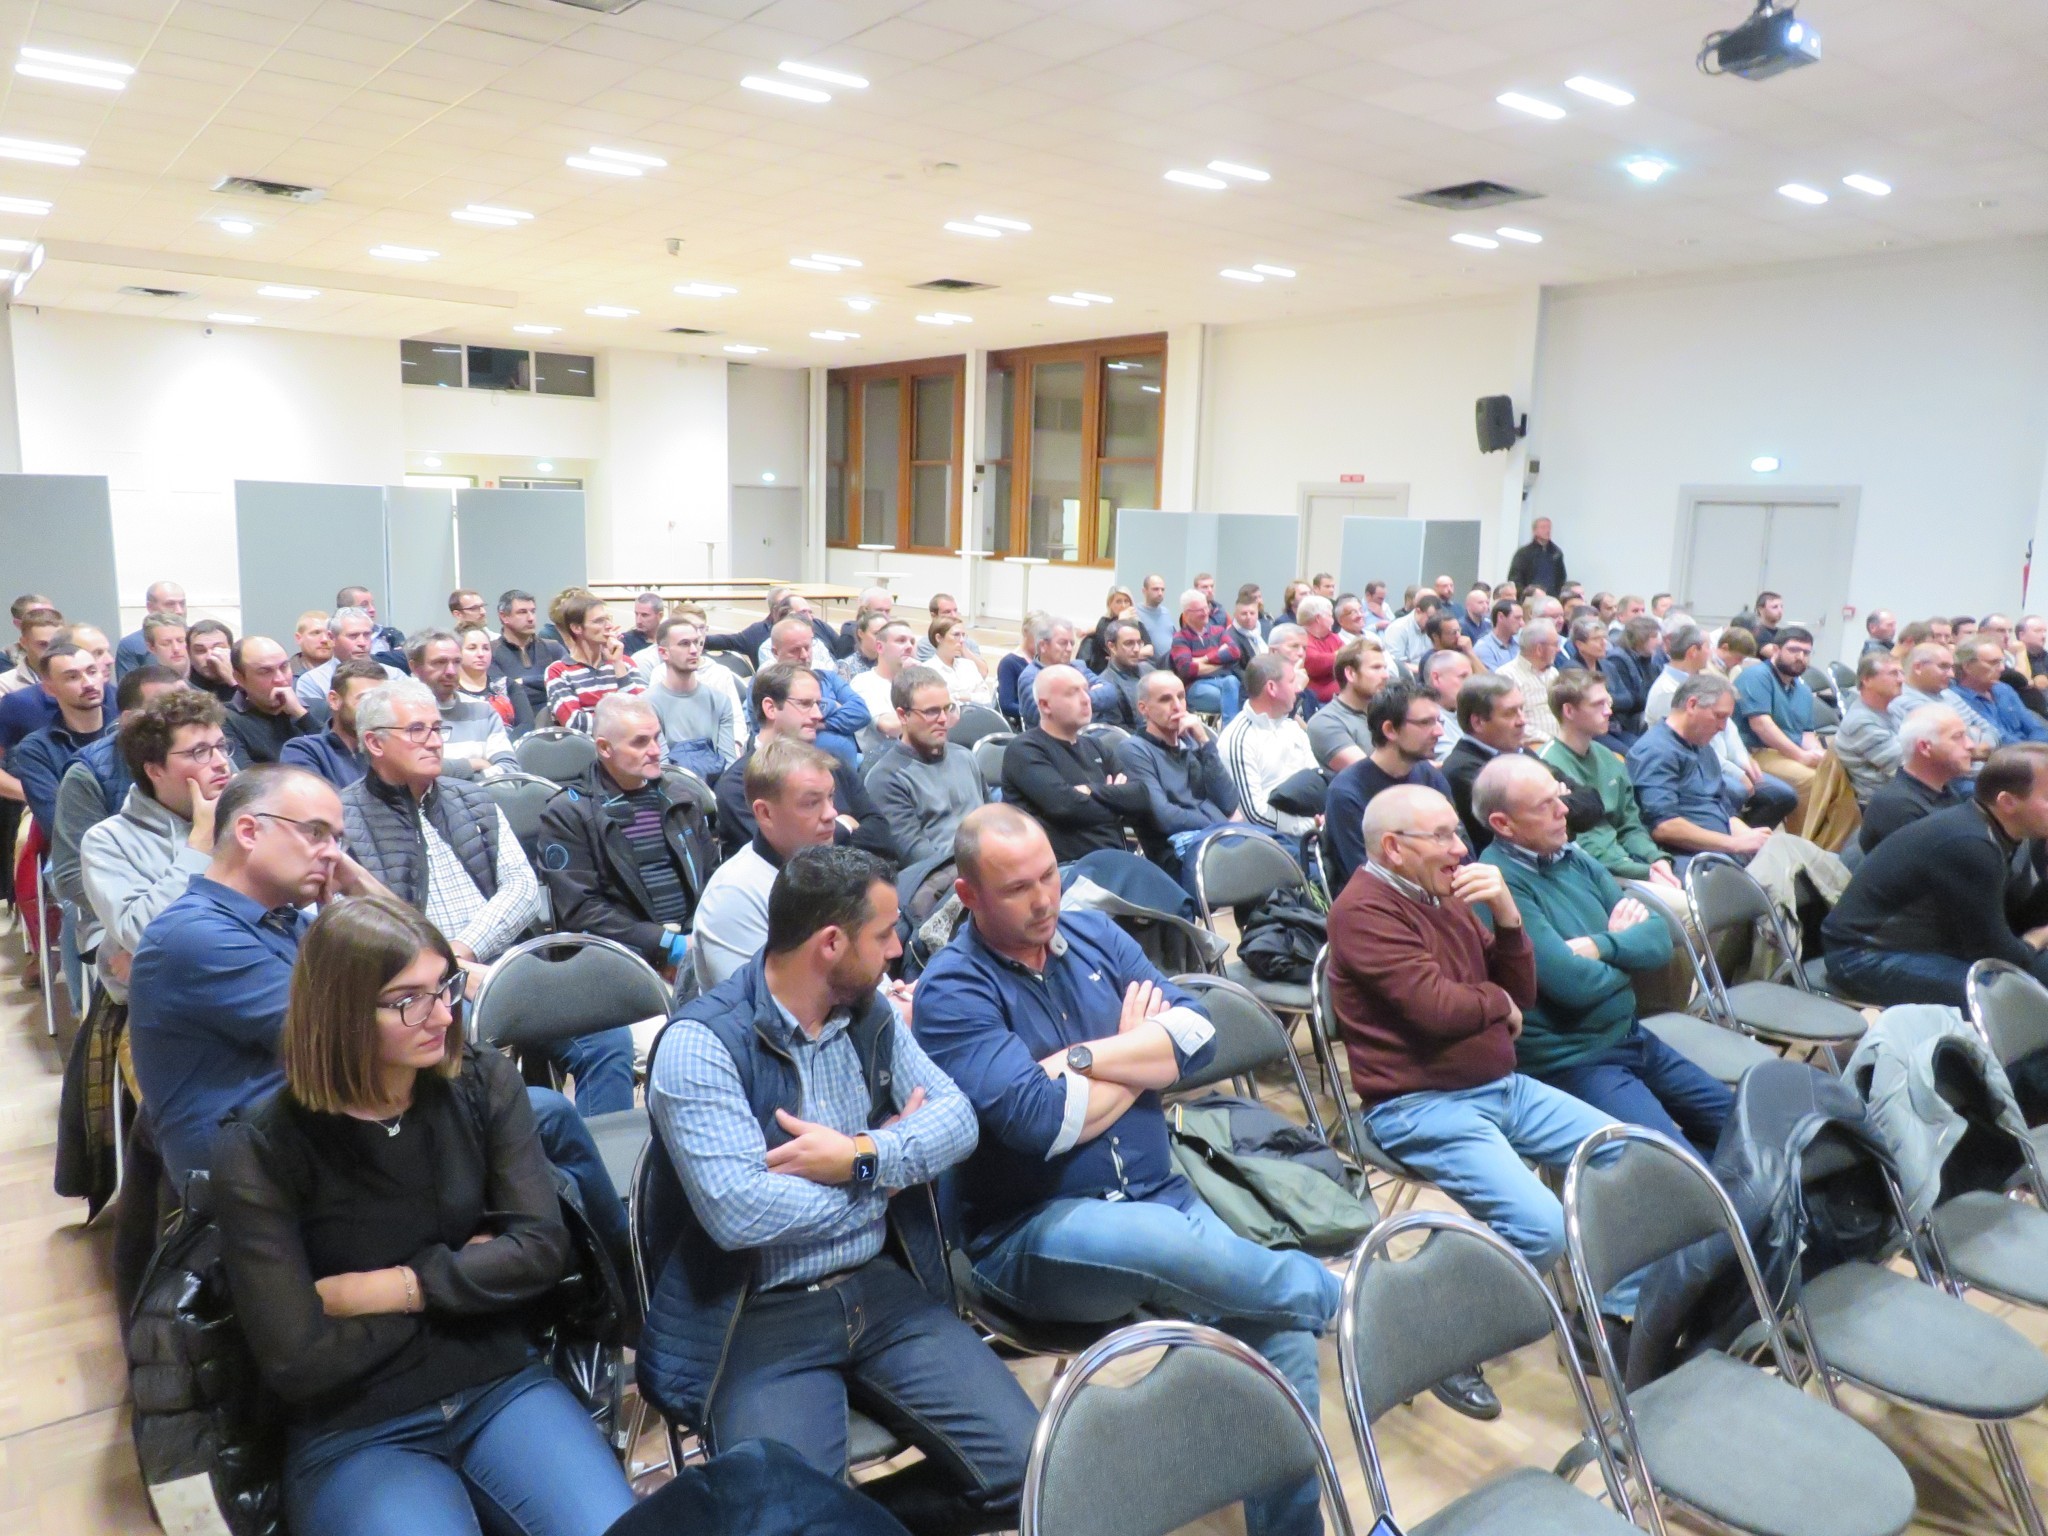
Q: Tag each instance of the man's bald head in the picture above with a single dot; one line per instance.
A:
(990, 824)
(1401, 808)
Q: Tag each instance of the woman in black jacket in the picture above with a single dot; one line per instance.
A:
(388, 1224)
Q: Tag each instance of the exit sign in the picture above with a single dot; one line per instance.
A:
(1351, 479)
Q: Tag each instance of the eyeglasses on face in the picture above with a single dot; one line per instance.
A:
(205, 752)
(417, 1008)
(1443, 837)
(935, 715)
(318, 833)
(419, 733)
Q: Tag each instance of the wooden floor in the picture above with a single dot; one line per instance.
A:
(66, 1466)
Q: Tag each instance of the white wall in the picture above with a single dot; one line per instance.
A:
(665, 466)
(1921, 378)
(767, 423)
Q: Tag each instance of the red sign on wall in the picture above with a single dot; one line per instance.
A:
(1351, 479)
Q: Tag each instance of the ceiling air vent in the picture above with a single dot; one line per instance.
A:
(1470, 194)
(608, 7)
(952, 285)
(251, 186)
(688, 330)
(136, 290)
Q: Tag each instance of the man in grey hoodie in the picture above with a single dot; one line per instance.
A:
(924, 784)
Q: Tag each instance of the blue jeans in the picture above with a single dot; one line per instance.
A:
(878, 1340)
(566, 1141)
(517, 1454)
(602, 1065)
(1772, 801)
(1222, 695)
(1471, 1143)
(1642, 1081)
(1886, 977)
(1095, 1261)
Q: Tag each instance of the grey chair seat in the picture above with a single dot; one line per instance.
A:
(1754, 1452)
(1786, 1013)
(1923, 1345)
(1280, 996)
(619, 1136)
(1997, 1245)
(1723, 1054)
(1817, 977)
(867, 1441)
(1374, 1155)
(1527, 1502)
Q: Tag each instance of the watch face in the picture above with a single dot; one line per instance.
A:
(864, 1165)
(1080, 1058)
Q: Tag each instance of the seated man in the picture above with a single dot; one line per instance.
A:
(1687, 649)
(470, 728)
(1443, 674)
(1630, 668)
(313, 644)
(1585, 644)
(1686, 802)
(1496, 648)
(1405, 639)
(522, 654)
(1930, 679)
(1937, 896)
(1431, 1005)
(1265, 745)
(1049, 641)
(943, 605)
(1618, 842)
(354, 633)
(1208, 662)
(924, 784)
(1774, 713)
(1062, 1035)
(266, 710)
(1405, 725)
(895, 645)
(1065, 778)
(827, 644)
(596, 666)
(785, 701)
(1980, 667)
(1491, 716)
(1867, 741)
(747, 642)
(165, 597)
(804, 1124)
(625, 853)
(1580, 1035)
(40, 759)
(872, 600)
(699, 727)
(789, 783)
(648, 609)
(1339, 732)
(1533, 671)
(1934, 773)
(209, 647)
(1174, 761)
(842, 716)
(1113, 696)
(336, 754)
(445, 847)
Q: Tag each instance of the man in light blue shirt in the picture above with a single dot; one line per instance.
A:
(1496, 648)
(1155, 618)
(1979, 665)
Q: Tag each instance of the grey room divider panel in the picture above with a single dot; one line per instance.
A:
(419, 546)
(1451, 548)
(1380, 549)
(58, 531)
(1255, 546)
(298, 543)
(1170, 544)
(527, 539)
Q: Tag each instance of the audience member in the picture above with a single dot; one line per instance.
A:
(1491, 720)
(165, 597)
(1339, 733)
(827, 645)
(1979, 671)
(265, 710)
(471, 731)
(789, 786)
(1406, 723)
(1539, 562)
(845, 716)
(72, 681)
(1444, 634)
(466, 610)
(1774, 713)
(1770, 613)
(1049, 641)
(1063, 1035)
(209, 646)
(1248, 623)
(1175, 763)
(1686, 801)
(1155, 618)
(1477, 619)
(478, 680)
(867, 633)
(895, 645)
(594, 668)
(165, 635)
(951, 652)
(747, 642)
(799, 1185)
(1265, 746)
(1867, 740)
(1880, 629)
(314, 645)
(1324, 641)
(1208, 662)
(648, 611)
(872, 600)
(336, 754)
(1404, 638)
(1587, 644)
(1533, 671)
(522, 653)
(354, 632)
(1066, 778)
(1630, 668)
(787, 702)
(698, 729)
(388, 639)
(944, 606)
(1617, 841)
(1935, 765)
(1205, 583)
(923, 784)
(1496, 648)
(1114, 695)
(1443, 674)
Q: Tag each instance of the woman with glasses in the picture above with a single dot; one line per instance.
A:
(389, 1221)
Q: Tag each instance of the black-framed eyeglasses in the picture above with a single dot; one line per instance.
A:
(318, 833)
(205, 752)
(417, 1008)
(935, 715)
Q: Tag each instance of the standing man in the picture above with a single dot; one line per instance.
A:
(1339, 733)
(1934, 773)
(1539, 562)
(923, 784)
(266, 710)
(165, 597)
(698, 723)
(1774, 713)
(522, 653)
(647, 614)
(1867, 740)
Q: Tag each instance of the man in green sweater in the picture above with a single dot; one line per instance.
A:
(1581, 1034)
(1619, 842)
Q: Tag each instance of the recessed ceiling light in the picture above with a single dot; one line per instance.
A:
(1477, 242)
(704, 290)
(1093, 298)
(1240, 172)
(34, 206)
(233, 319)
(1197, 179)
(860, 305)
(1015, 226)
(1599, 90)
(1868, 184)
(544, 466)
(959, 227)
(744, 349)
(234, 226)
(809, 264)
(1801, 193)
(1266, 270)
(39, 152)
(500, 218)
(933, 320)
(1646, 168)
(538, 330)
(819, 72)
(1238, 276)
(609, 167)
(611, 312)
(835, 335)
(833, 261)
(767, 477)
(1524, 236)
(952, 319)
(285, 291)
(73, 69)
(773, 87)
(1534, 106)
(629, 157)
(402, 253)
(1765, 464)
(432, 462)
(1067, 299)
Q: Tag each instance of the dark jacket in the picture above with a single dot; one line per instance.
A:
(42, 758)
(1044, 775)
(383, 823)
(1629, 677)
(1899, 802)
(527, 670)
(592, 876)
(1461, 767)
(1187, 789)
(701, 1288)
(260, 738)
(736, 815)
(1114, 697)
(1542, 564)
(748, 642)
(327, 755)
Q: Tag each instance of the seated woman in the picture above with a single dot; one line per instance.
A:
(474, 681)
(966, 674)
(1095, 649)
(388, 1222)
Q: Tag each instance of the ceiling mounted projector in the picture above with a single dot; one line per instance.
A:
(1772, 41)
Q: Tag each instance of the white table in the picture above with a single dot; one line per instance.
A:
(1029, 563)
(877, 578)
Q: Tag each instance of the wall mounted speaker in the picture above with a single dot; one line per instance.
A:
(1495, 418)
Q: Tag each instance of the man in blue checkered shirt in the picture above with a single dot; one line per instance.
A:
(804, 1125)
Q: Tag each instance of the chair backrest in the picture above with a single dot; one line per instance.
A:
(555, 753)
(733, 662)
(1100, 1466)
(2009, 1008)
(691, 782)
(975, 722)
(988, 757)
(1248, 1036)
(1845, 681)
(1727, 900)
(1110, 736)
(522, 797)
(562, 986)
(1666, 991)
(1234, 867)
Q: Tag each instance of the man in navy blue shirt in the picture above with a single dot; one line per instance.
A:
(1062, 1034)
(165, 597)
(1688, 805)
(1406, 724)
(71, 679)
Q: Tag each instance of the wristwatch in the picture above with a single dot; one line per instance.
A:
(1080, 1059)
(866, 1162)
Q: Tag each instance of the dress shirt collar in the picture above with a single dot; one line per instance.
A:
(1402, 884)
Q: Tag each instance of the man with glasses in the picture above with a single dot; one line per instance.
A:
(924, 785)
(787, 701)
(1406, 722)
(1774, 713)
(698, 725)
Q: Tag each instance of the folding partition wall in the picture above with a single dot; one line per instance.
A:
(527, 539)
(419, 549)
(1235, 547)
(58, 531)
(298, 543)
(1406, 552)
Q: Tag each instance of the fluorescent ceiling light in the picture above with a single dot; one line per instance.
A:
(704, 290)
(1093, 298)
(1599, 90)
(629, 157)
(234, 226)
(860, 305)
(1067, 299)
(39, 152)
(945, 317)
(1766, 464)
(1800, 193)
(774, 87)
(233, 319)
(810, 264)
(1535, 107)
(1197, 179)
(1241, 172)
(402, 253)
(1477, 242)
(1237, 276)
(499, 218)
(1265, 270)
(537, 330)
(17, 247)
(1523, 236)
(1016, 226)
(835, 335)
(73, 69)
(609, 167)
(611, 312)
(931, 320)
(35, 206)
(959, 227)
(77, 61)
(1868, 184)
(819, 72)
(743, 349)
(1646, 168)
(834, 261)
(285, 291)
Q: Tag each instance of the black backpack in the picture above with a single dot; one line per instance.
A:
(1280, 938)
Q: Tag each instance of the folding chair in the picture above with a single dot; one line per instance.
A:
(1235, 867)
(1355, 1134)
(1723, 1054)
(553, 752)
(1726, 898)
(522, 797)
(2009, 1009)
(1100, 1466)
(740, 666)
(1249, 1035)
(988, 757)
(49, 956)
(977, 721)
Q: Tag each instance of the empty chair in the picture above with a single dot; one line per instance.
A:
(740, 666)
(1725, 898)
(975, 722)
(2010, 1010)
(1664, 1000)
(1236, 867)
(988, 757)
(1716, 1436)
(1248, 1036)
(555, 753)
(1100, 1465)
(1463, 1298)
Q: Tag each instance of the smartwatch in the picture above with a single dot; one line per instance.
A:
(1080, 1059)
(866, 1161)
